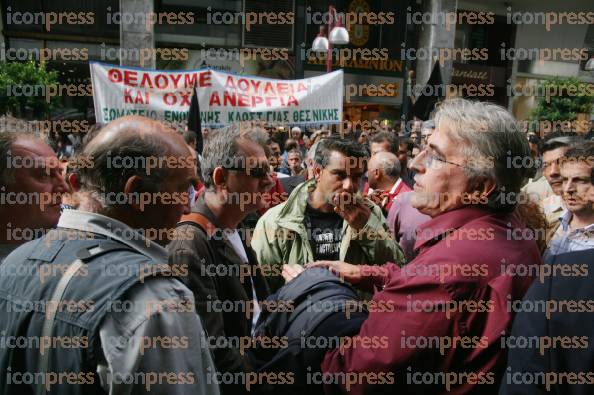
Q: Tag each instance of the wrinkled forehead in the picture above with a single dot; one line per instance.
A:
(32, 147)
(445, 141)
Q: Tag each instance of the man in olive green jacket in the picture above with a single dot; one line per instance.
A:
(325, 219)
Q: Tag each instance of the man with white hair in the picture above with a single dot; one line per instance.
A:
(383, 176)
(447, 310)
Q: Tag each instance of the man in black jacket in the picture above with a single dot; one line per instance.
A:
(223, 273)
(550, 348)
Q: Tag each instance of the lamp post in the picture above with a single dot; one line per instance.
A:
(338, 36)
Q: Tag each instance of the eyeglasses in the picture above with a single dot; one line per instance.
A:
(259, 172)
(431, 160)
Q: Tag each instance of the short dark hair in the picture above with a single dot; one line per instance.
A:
(190, 137)
(391, 138)
(583, 152)
(558, 139)
(348, 148)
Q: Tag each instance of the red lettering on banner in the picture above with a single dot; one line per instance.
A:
(245, 83)
(130, 77)
(244, 100)
(256, 85)
(204, 79)
(292, 100)
(114, 75)
(175, 80)
(185, 97)
(230, 82)
(163, 78)
(229, 99)
(146, 80)
(138, 99)
(283, 89)
(269, 87)
(214, 99)
(301, 87)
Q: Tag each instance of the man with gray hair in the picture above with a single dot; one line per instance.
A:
(101, 280)
(463, 279)
(383, 176)
(222, 269)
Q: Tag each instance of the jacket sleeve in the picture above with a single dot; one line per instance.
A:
(132, 346)
(376, 241)
(197, 257)
(378, 357)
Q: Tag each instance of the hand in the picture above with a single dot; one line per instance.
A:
(291, 271)
(377, 196)
(346, 271)
(352, 209)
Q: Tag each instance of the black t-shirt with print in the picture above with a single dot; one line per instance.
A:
(325, 230)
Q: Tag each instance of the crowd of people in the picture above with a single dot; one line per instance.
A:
(148, 260)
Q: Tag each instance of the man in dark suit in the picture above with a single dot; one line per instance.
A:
(223, 273)
(550, 347)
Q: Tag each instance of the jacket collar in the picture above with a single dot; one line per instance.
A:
(292, 214)
(201, 208)
(441, 226)
(112, 229)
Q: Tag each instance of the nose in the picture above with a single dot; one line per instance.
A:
(348, 185)
(60, 185)
(568, 187)
(417, 163)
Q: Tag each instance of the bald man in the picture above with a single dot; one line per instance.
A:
(104, 278)
(32, 185)
(383, 176)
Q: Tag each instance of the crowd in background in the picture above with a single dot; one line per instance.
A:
(449, 210)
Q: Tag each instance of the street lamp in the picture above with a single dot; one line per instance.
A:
(338, 36)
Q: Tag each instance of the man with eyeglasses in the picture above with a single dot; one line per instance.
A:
(213, 244)
(456, 289)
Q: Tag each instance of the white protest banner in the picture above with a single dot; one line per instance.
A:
(228, 98)
(224, 98)
(157, 94)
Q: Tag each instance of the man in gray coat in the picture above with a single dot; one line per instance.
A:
(93, 307)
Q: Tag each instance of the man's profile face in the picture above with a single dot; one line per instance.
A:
(36, 173)
(341, 174)
(252, 192)
(439, 186)
(552, 169)
(578, 191)
(378, 147)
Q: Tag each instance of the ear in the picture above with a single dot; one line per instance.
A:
(134, 184)
(73, 182)
(219, 177)
(484, 185)
(317, 171)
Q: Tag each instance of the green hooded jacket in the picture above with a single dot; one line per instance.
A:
(280, 237)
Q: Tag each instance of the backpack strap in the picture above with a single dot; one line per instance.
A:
(83, 255)
(200, 220)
